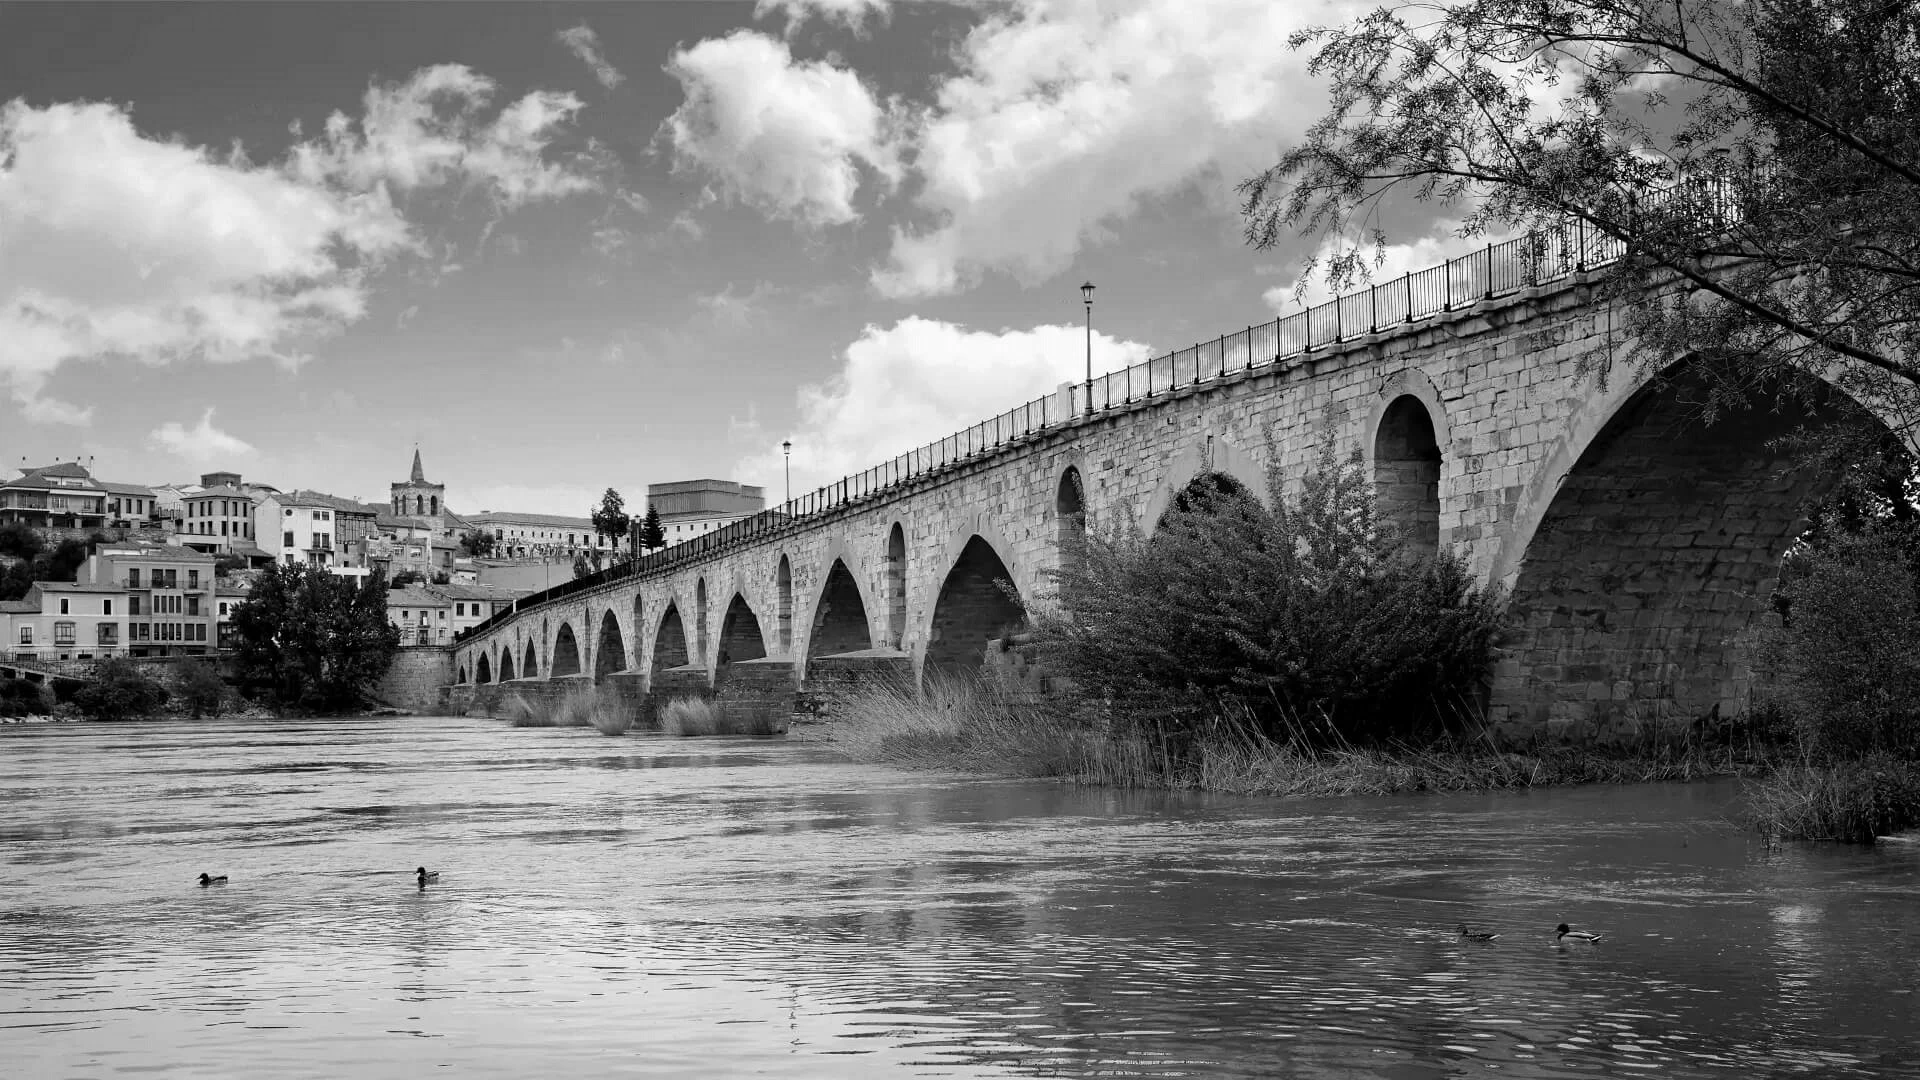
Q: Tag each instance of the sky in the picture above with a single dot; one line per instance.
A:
(566, 247)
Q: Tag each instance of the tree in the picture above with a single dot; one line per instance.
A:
(1756, 168)
(610, 518)
(313, 640)
(476, 543)
(652, 535)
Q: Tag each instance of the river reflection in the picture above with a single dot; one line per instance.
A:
(652, 906)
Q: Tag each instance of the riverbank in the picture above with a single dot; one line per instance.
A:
(967, 729)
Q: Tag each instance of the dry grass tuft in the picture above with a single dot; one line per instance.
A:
(702, 716)
(979, 725)
(587, 707)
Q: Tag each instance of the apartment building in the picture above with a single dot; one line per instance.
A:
(217, 520)
(64, 620)
(66, 495)
(169, 596)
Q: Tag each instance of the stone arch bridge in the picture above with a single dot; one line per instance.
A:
(1638, 545)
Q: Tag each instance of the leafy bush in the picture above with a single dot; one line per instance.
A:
(18, 697)
(202, 691)
(1311, 619)
(119, 690)
(1846, 657)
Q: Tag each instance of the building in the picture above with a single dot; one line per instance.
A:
(65, 620)
(219, 518)
(130, 506)
(418, 503)
(475, 604)
(438, 614)
(533, 536)
(66, 496)
(422, 616)
(170, 596)
(690, 508)
(226, 597)
(312, 528)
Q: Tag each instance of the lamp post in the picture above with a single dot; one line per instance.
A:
(1086, 294)
(786, 447)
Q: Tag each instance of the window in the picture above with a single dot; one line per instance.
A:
(223, 608)
(109, 633)
(133, 604)
(106, 606)
(223, 528)
(66, 608)
(286, 538)
(63, 633)
(193, 605)
(26, 635)
(193, 579)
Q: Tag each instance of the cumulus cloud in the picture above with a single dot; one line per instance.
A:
(121, 246)
(1058, 119)
(585, 44)
(201, 444)
(849, 13)
(902, 386)
(791, 138)
(1067, 115)
(428, 131)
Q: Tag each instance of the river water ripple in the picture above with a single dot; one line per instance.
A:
(649, 906)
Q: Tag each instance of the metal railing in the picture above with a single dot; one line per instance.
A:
(1495, 270)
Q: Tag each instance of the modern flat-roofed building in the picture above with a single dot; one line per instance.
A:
(690, 508)
(170, 596)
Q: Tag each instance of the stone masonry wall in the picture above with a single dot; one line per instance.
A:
(415, 679)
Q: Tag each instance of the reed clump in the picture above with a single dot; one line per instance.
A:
(967, 724)
(985, 725)
(703, 716)
(1850, 801)
(592, 707)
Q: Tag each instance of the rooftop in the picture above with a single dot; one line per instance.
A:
(74, 586)
(224, 491)
(154, 552)
(557, 521)
(125, 489)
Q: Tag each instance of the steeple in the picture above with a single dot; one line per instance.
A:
(418, 476)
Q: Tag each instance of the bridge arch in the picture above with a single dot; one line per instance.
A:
(839, 623)
(566, 653)
(1406, 466)
(482, 670)
(1645, 567)
(460, 672)
(670, 640)
(971, 609)
(506, 664)
(893, 587)
(530, 662)
(1069, 511)
(783, 605)
(740, 637)
(610, 654)
(1209, 455)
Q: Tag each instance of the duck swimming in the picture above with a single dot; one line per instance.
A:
(423, 876)
(212, 879)
(1564, 936)
(1476, 935)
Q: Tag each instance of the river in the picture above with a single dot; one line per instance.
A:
(649, 906)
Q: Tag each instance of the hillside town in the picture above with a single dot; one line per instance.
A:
(138, 570)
